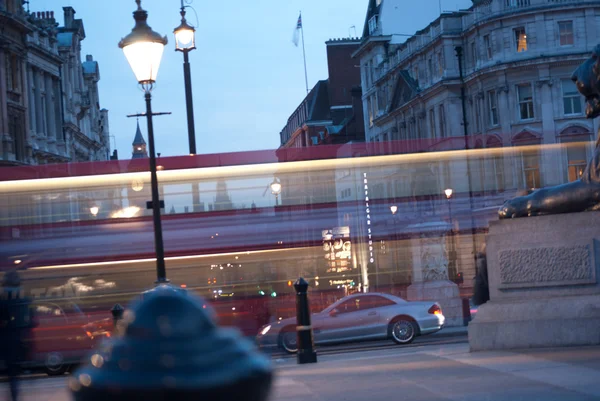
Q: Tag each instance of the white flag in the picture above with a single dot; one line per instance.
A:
(296, 37)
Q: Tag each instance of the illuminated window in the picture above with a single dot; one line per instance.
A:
(571, 98)
(525, 97)
(576, 149)
(565, 30)
(521, 40)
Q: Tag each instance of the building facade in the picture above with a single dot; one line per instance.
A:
(331, 113)
(49, 103)
(516, 57)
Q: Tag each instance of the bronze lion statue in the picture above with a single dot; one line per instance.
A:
(577, 196)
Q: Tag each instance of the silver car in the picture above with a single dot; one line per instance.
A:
(359, 317)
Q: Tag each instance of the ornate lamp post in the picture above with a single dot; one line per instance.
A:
(394, 210)
(452, 268)
(185, 42)
(276, 189)
(143, 49)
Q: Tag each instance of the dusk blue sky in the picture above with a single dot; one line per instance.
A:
(247, 75)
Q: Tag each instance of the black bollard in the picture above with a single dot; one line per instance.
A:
(306, 348)
(117, 314)
(172, 349)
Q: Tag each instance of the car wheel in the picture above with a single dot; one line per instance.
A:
(55, 364)
(289, 341)
(403, 331)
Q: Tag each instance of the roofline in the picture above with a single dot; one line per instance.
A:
(368, 41)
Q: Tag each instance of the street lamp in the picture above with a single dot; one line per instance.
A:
(94, 210)
(276, 189)
(448, 192)
(185, 42)
(143, 49)
(394, 209)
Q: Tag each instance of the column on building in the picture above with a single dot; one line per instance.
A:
(32, 103)
(551, 171)
(58, 110)
(39, 115)
(505, 116)
(3, 102)
(50, 117)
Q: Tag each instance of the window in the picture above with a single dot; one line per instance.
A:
(473, 54)
(565, 31)
(577, 160)
(13, 73)
(370, 111)
(493, 108)
(432, 123)
(416, 73)
(350, 305)
(430, 68)
(373, 22)
(442, 118)
(373, 301)
(520, 40)
(525, 95)
(571, 98)
(531, 169)
(440, 62)
(488, 47)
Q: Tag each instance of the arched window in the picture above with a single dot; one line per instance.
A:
(496, 163)
(528, 160)
(576, 142)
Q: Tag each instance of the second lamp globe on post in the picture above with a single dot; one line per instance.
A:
(185, 42)
(143, 49)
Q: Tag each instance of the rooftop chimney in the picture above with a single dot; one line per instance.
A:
(69, 16)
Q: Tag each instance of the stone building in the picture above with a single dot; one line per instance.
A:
(49, 103)
(517, 58)
(493, 80)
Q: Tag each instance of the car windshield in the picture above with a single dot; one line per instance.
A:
(332, 180)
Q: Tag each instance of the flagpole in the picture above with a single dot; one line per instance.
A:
(304, 54)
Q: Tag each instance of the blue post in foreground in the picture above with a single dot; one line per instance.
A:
(172, 349)
(306, 351)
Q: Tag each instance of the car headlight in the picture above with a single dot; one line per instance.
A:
(265, 330)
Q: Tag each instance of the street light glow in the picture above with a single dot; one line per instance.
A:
(394, 209)
(94, 210)
(143, 48)
(449, 193)
(276, 187)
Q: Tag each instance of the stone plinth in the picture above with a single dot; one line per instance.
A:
(430, 271)
(444, 292)
(543, 278)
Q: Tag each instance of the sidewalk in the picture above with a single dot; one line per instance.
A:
(425, 373)
(447, 372)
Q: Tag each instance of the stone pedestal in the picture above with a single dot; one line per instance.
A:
(543, 278)
(443, 291)
(430, 271)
